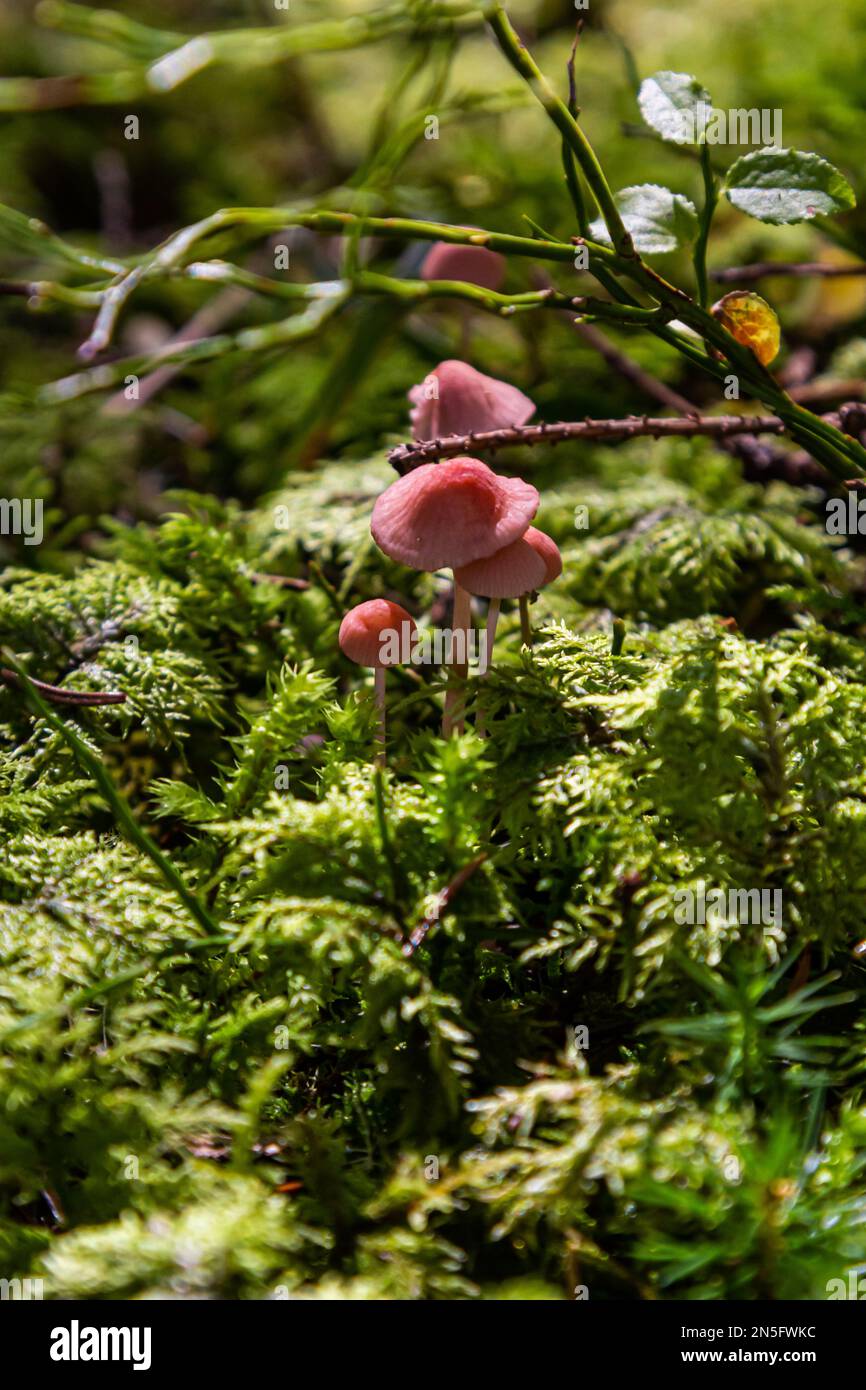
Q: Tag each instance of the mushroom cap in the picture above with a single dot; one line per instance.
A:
(547, 548)
(442, 515)
(516, 569)
(363, 628)
(457, 399)
(474, 265)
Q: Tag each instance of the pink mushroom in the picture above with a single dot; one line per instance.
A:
(474, 265)
(527, 564)
(456, 399)
(367, 637)
(445, 515)
(547, 548)
(515, 570)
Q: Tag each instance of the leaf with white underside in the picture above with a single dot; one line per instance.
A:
(781, 186)
(675, 105)
(657, 219)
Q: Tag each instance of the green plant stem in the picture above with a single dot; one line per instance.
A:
(525, 621)
(835, 450)
(575, 192)
(620, 312)
(523, 63)
(283, 333)
(572, 176)
(31, 234)
(381, 718)
(711, 197)
(506, 305)
(843, 456)
(136, 40)
(159, 61)
(123, 815)
(266, 221)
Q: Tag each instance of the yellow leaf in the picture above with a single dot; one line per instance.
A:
(750, 320)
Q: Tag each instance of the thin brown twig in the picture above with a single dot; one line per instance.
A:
(115, 198)
(621, 363)
(58, 696)
(831, 389)
(209, 319)
(762, 270)
(443, 901)
(408, 456)
(283, 580)
(765, 463)
(631, 370)
(799, 368)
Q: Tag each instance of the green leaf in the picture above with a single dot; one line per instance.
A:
(658, 219)
(671, 102)
(782, 186)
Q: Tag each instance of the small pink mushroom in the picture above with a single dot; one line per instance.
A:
(515, 570)
(445, 515)
(367, 636)
(456, 399)
(547, 548)
(474, 265)
(527, 564)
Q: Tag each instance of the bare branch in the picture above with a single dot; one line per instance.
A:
(630, 370)
(408, 456)
(58, 696)
(830, 389)
(762, 270)
(443, 901)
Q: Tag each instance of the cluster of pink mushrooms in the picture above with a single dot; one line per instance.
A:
(457, 515)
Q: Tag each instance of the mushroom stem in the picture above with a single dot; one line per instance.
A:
(462, 622)
(490, 634)
(525, 624)
(484, 665)
(380, 707)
